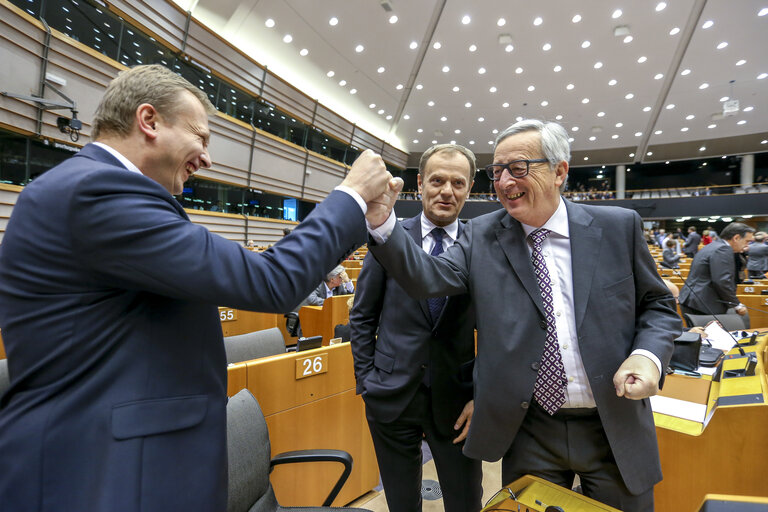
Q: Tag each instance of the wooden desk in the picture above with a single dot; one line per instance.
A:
(730, 454)
(238, 321)
(317, 411)
(758, 316)
(320, 320)
(352, 263)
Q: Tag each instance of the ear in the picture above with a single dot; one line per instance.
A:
(147, 119)
(418, 182)
(469, 188)
(562, 173)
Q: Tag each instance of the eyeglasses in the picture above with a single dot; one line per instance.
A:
(504, 494)
(516, 168)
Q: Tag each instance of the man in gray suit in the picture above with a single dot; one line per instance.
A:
(416, 375)
(757, 257)
(336, 283)
(711, 284)
(574, 324)
(691, 246)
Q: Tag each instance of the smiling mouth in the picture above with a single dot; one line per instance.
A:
(190, 168)
(515, 196)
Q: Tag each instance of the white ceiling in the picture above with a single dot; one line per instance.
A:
(620, 126)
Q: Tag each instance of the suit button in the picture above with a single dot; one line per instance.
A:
(524, 405)
(535, 366)
(543, 324)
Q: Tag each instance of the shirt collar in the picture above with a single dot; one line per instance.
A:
(557, 223)
(115, 153)
(452, 229)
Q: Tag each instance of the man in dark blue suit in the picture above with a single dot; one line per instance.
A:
(415, 376)
(108, 298)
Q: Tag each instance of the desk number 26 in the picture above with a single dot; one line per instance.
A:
(308, 366)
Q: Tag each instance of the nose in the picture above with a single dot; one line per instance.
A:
(205, 160)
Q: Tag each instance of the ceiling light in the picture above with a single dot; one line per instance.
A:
(658, 76)
(495, 131)
(490, 142)
(748, 109)
(762, 75)
(703, 148)
(742, 122)
(287, 38)
(614, 136)
(359, 48)
(389, 117)
(330, 74)
(658, 132)
(741, 62)
(638, 134)
(381, 111)
(612, 82)
(569, 86)
(380, 70)
(585, 101)
(269, 23)
(406, 117)
(471, 142)
(689, 117)
(372, 105)
(674, 31)
(704, 85)
(472, 47)
(419, 87)
(685, 72)
(501, 22)
(722, 45)
(518, 70)
(763, 12)
(571, 139)
(601, 114)
(420, 130)
(466, 20)
(646, 109)
(592, 138)
(544, 103)
(650, 153)
(468, 104)
(616, 14)
(670, 106)
(642, 59)
(585, 44)
(342, 83)
(481, 71)
(480, 119)
(684, 129)
(531, 88)
(446, 69)
(455, 88)
(505, 105)
(713, 125)
(586, 158)
(629, 96)
(493, 89)
(431, 103)
(764, 141)
(538, 21)
(598, 65)
(333, 21)
(434, 142)
(708, 24)
(415, 141)
(353, 91)
(399, 86)
(628, 39)
(558, 117)
(393, 19)
(443, 119)
(437, 45)
(304, 52)
(576, 18)
(457, 131)
(661, 6)
(619, 125)
(575, 129)
(509, 48)
(557, 69)
(413, 45)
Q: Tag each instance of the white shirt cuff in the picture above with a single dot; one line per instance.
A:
(650, 355)
(357, 197)
(383, 232)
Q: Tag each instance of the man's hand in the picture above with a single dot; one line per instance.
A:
(369, 176)
(637, 378)
(465, 418)
(741, 309)
(380, 207)
(344, 277)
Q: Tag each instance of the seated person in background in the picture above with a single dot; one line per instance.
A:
(343, 331)
(757, 256)
(337, 282)
(670, 258)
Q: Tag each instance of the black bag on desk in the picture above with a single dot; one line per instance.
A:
(686, 354)
(710, 357)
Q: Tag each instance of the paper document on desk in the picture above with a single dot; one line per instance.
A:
(679, 408)
(719, 337)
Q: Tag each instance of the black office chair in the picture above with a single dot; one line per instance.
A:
(729, 321)
(292, 325)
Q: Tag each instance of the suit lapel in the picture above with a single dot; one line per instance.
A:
(585, 249)
(412, 226)
(511, 238)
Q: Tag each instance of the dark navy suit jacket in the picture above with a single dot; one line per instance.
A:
(108, 298)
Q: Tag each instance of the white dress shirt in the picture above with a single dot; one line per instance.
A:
(428, 242)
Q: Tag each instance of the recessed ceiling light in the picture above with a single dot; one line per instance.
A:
(493, 89)
(631, 155)
(531, 88)
(443, 119)
(713, 125)
(764, 141)
(592, 138)
(658, 76)
(359, 48)
(389, 117)
(557, 69)
(629, 96)
(575, 129)
(399, 86)
(509, 48)
(586, 158)
(519, 118)
(703, 148)
(342, 83)
(646, 109)
(598, 65)
(473, 48)
(287, 38)
(704, 85)
(471, 142)
(569, 86)
(501, 22)
(381, 111)
(453, 142)
(353, 91)
(518, 70)
(684, 129)
(649, 153)
(619, 125)
(585, 101)
(638, 134)
(490, 142)
(269, 23)
(614, 136)
(415, 141)
(616, 14)
(612, 82)
(333, 21)
(628, 39)
(495, 131)
(708, 24)
(431, 103)
(304, 52)
(642, 59)
(722, 45)
(381, 69)
(393, 19)
(480, 119)
(576, 18)
(674, 31)
(466, 20)
(457, 131)
(741, 62)
(455, 88)
(538, 21)
(689, 117)
(558, 117)
(571, 139)
(544, 103)
(468, 104)
(670, 106)
(434, 142)
(419, 87)
(505, 105)
(420, 130)
(685, 72)
(372, 105)
(406, 117)
(762, 75)
(413, 45)
(446, 69)
(748, 109)
(437, 45)
(585, 44)
(661, 6)
(658, 132)
(742, 122)
(330, 74)
(601, 114)
(481, 71)
(763, 12)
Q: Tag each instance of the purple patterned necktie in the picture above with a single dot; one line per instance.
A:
(549, 390)
(436, 303)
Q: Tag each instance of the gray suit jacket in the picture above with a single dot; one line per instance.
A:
(621, 304)
(317, 297)
(691, 246)
(390, 367)
(712, 280)
(757, 257)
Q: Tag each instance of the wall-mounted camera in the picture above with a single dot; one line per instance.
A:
(71, 127)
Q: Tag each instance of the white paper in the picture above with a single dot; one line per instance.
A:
(707, 370)
(679, 408)
(719, 337)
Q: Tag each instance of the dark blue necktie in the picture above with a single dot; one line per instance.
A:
(436, 303)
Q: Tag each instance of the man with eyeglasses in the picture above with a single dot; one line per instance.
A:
(574, 324)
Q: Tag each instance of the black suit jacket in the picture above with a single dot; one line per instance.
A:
(108, 298)
(620, 304)
(711, 283)
(389, 368)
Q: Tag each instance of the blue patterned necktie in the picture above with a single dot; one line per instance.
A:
(549, 390)
(436, 303)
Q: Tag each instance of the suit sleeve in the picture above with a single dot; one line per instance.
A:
(722, 269)
(316, 298)
(364, 317)
(130, 232)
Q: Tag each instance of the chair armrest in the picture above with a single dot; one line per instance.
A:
(318, 456)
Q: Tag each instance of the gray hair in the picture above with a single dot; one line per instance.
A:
(448, 148)
(153, 84)
(554, 140)
(333, 273)
(735, 228)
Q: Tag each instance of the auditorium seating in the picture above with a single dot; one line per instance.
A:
(253, 345)
(321, 320)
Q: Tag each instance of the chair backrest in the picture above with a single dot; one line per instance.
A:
(5, 378)
(248, 452)
(292, 325)
(254, 345)
(729, 321)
